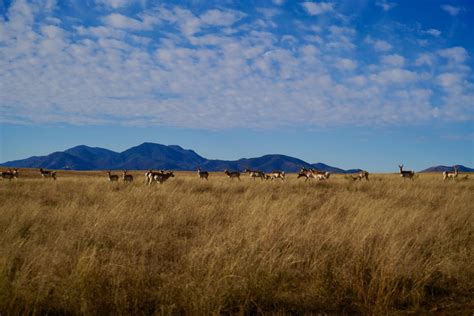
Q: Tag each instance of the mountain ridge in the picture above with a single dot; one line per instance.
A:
(442, 168)
(157, 156)
(174, 157)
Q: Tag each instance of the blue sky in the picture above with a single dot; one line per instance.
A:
(366, 84)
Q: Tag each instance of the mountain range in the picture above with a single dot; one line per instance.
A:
(172, 157)
(157, 156)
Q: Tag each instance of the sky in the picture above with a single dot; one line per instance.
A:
(354, 84)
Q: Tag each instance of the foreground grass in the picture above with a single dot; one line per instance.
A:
(82, 245)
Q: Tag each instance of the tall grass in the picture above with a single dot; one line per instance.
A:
(85, 246)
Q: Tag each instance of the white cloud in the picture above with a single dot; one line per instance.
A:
(278, 2)
(221, 18)
(425, 59)
(269, 14)
(123, 22)
(52, 31)
(433, 32)
(49, 5)
(455, 54)
(115, 4)
(382, 46)
(191, 24)
(385, 5)
(358, 80)
(395, 75)
(345, 64)
(341, 30)
(393, 60)
(317, 8)
(187, 22)
(449, 80)
(452, 10)
(100, 31)
(341, 38)
(423, 42)
(379, 45)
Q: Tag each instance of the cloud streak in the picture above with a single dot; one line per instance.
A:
(452, 10)
(385, 5)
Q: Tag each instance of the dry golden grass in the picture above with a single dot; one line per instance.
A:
(82, 245)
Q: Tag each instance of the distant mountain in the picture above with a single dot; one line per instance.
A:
(156, 156)
(324, 167)
(99, 158)
(56, 160)
(265, 163)
(461, 168)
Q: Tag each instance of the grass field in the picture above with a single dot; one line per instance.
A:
(83, 245)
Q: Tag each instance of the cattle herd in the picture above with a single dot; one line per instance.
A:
(161, 176)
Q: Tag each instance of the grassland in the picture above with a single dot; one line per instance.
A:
(82, 245)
